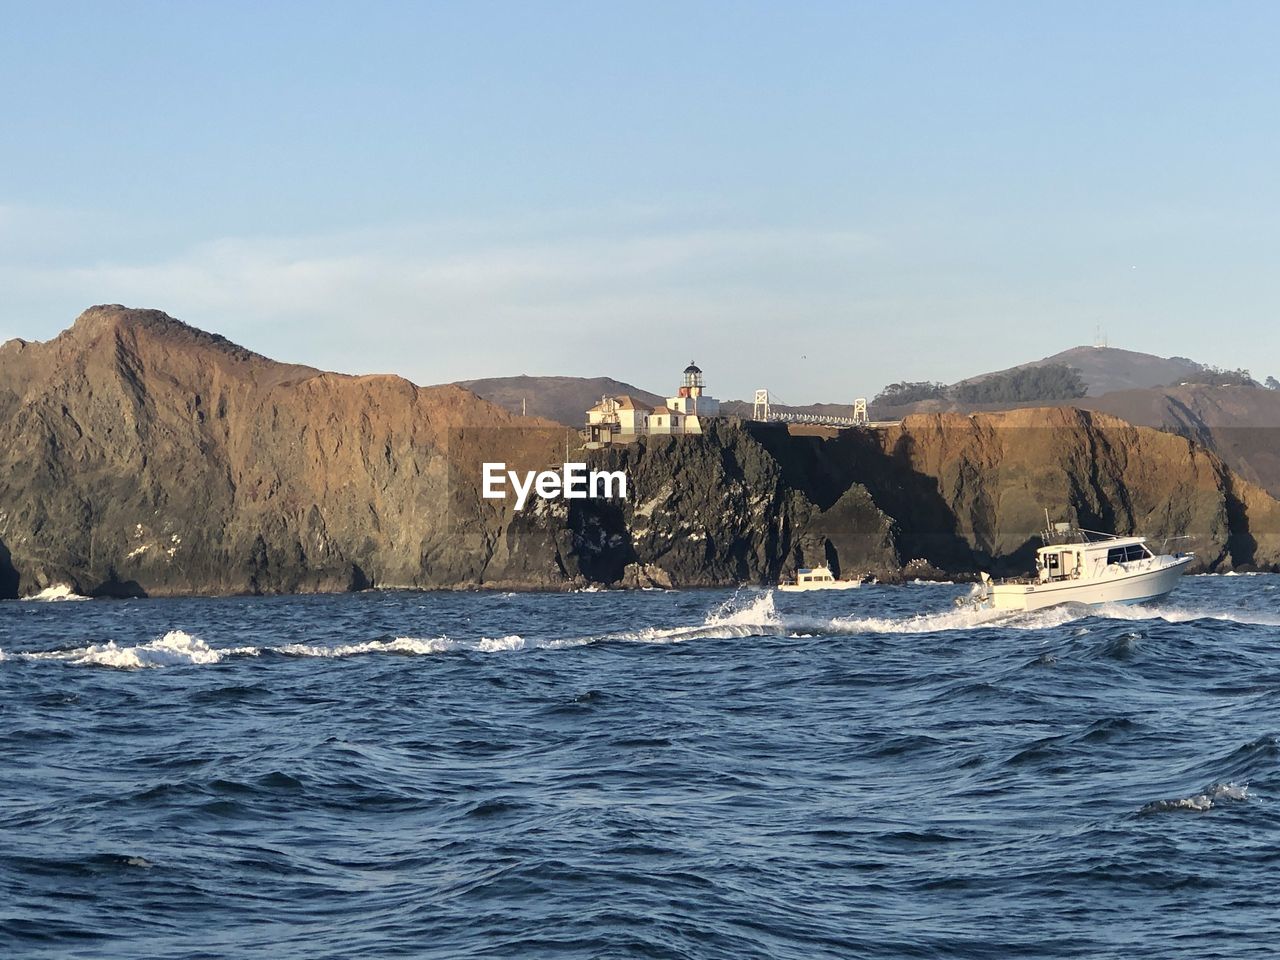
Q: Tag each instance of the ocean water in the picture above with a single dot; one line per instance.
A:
(703, 774)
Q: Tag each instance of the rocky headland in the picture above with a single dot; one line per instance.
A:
(140, 456)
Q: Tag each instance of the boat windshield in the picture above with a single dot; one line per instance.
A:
(1134, 551)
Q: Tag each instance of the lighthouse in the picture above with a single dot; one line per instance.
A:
(691, 398)
(623, 419)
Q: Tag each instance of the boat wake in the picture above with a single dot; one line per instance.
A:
(175, 648)
(746, 614)
(415, 646)
(1044, 619)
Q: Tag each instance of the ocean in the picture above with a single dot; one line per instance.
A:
(698, 774)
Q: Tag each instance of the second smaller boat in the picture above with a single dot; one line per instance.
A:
(818, 578)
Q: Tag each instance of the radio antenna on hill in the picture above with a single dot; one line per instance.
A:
(1099, 338)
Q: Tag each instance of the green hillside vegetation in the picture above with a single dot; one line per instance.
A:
(896, 394)
(1217, 377)
(1051, 382)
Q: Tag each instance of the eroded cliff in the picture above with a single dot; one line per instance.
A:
(141, 456)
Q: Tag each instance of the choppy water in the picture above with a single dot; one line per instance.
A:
(700, 774)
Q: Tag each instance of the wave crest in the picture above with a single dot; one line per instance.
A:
(175, 648)
(408, 646)
(56, 592)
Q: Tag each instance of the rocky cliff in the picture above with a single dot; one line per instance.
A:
(141, 456)
(981, 484)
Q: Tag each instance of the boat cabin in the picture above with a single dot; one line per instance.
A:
(1074, 561)
(816, 575)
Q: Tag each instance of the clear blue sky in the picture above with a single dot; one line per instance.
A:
(814, 197)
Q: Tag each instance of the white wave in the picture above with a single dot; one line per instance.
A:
(415, 646)
(1200, 802)
(957, 619)
(682, 634)
(1185, 615)
(1236, 573)
(969, 618)
(59, 591)
(731, 619)
(759, 612)
(2, 657)
(175, 648)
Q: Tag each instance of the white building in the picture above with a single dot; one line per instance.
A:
(624, 418)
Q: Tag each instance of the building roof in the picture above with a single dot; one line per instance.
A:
(660, 411)
(692, 368)
(627, 402)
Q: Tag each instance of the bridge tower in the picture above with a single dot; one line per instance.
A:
(760, 409)
(860, 418)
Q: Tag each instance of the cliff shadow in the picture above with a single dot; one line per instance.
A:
(815, 465)
(601, 545)
(9, 578)
(1242, 545)
(824, 468)
(116, 589)
(927, 524)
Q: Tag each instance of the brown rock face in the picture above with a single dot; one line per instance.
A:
(1240, 424)
(143, 455)
(983, 483)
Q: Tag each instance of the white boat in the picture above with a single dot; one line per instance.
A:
(818, 578)
(1082, 566)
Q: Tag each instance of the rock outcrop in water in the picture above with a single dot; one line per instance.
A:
(141, 456)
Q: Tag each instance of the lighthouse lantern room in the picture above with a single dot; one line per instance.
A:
(691, 399)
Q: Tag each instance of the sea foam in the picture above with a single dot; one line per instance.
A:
(59, 591)
(175, 648)
(409, 646)
(1047, 618)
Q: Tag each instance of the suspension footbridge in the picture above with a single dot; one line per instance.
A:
(764, 410)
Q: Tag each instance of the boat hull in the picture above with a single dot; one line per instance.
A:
(806, 587)
(1126, 588)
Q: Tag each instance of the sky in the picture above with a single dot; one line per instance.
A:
(815, 198)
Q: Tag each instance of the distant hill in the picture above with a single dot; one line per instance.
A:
(1106, 369)
(562, 399)
(1103, 370)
